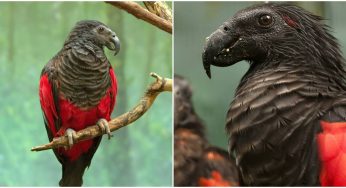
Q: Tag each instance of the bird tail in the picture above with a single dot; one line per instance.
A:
(72, 174)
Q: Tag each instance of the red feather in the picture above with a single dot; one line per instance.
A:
(332, 153)
(290, 22)
(47, 102)
(216, 180)
(73, 117)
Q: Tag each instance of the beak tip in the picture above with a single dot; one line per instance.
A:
(206, 64)
(208, 74)
(116, 42)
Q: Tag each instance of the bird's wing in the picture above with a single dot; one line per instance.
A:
(48, 102)
(332, 147)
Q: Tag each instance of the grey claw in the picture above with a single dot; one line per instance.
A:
(71, 135)
(104, 126)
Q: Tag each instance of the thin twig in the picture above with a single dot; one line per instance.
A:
(160, 85)
(142, 13)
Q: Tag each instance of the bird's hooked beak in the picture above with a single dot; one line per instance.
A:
(114, 44)
(219, 49)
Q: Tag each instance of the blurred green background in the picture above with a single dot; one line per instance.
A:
(31, 33)
(193, 22)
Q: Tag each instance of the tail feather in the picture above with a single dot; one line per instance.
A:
(73, 171)
(72, 174)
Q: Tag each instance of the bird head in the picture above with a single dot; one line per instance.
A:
(182, 99)
(96, 33)
(263, 32)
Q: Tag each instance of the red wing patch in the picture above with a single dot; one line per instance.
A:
(216, 180)
(332, 153)
(47, 102)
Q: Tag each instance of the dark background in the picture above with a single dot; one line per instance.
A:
(31, 33)
(194, 21)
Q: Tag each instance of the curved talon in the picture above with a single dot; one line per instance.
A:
(104, 126)
(71, 135)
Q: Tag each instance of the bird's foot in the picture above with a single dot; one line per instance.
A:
(104, 126)
(71, 135)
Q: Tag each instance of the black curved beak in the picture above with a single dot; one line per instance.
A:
(218, 49)
(116, 42)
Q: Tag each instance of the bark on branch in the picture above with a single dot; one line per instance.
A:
(160, 85)
(142, 13)
(160, 9)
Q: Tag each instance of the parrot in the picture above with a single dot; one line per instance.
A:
(196, 161)
(77, 89)
(287, 121)
(189, 137)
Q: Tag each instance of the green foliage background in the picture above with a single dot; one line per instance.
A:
(31, 33)
(212, 96)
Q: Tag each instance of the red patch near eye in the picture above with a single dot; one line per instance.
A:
(290, 22)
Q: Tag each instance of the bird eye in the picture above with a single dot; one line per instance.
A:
(265, 20)
(100, 29)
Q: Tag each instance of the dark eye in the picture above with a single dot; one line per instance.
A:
(100, 29)
(265, 20)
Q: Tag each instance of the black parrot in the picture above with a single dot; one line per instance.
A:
(195, 162)
(78, 89)
(287, 122)
(189, 137)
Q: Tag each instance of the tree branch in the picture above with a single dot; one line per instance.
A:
(142, 13)
(160, 85)
(160, 9)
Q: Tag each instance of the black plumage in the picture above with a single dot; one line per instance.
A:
(296, 78)
(184, 112)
